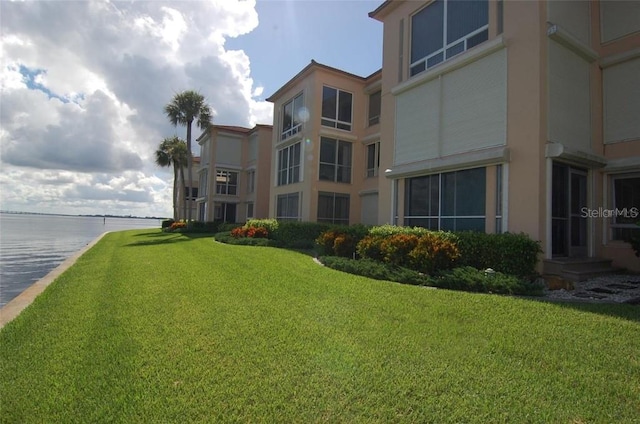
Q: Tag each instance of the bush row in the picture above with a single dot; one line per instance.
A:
(464, 278)
(429, 251)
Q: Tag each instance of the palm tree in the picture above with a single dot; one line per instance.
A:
(173, 152)
(183, 109)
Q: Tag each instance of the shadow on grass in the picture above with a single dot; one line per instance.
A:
(167, 238)
(616, 310)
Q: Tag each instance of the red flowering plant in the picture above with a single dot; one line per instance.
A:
(239, 232)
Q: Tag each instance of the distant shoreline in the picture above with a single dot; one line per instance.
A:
(90, 216)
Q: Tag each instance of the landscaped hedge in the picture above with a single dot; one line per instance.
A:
(467, 278)
(376, 270)
(509, 253)
(416, 248)
(299, 235)
(341, 240)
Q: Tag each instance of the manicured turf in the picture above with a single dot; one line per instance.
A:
(155, 327)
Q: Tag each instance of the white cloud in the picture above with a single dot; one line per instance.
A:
(83, 89)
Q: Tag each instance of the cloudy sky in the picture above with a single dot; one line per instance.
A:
(83, 85)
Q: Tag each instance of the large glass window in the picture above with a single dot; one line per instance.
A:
(446, 28)
(373, 159)
(451, 201)
(335, 160)
(225, 212)
(291, 122)
(289, 164)
(287, 208)
(333, 208)
(375, 101)
(336, 108)
(626, 207)
(226, 182)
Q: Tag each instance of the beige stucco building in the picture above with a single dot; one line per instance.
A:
(325, 147)
(518, 116)
(234, 173)
(488, 115)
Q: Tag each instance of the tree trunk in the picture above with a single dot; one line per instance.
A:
(175, 192)
(189, 171)
(184, 196)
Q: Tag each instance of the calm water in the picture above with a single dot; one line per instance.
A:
(33, 245)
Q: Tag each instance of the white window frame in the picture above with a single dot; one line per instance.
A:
(284, 217)
(333, 219)
(336, 166)
(220, 183)
(334, 122)
(372, 172)
(295, 129)
(446, 46)
(615, 209)
(286, 175)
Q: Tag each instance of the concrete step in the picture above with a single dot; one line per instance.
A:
(578, 269)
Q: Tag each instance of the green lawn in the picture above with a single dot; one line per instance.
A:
(156, 327)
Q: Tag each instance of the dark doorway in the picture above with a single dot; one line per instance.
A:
(568, 206)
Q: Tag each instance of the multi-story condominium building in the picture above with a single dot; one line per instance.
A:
(234, 175)
(520, 116)
(326, 146)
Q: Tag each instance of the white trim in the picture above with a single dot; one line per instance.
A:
(577, 157)
(623, 165)
(616, 59)
(548, 250)
(336, 133)
(472, 159)
(370, 138)
(505, 197)
(559, 35)
(368, 192)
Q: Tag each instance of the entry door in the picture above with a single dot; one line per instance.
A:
(568, 200)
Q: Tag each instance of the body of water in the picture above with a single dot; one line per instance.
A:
(33, 245)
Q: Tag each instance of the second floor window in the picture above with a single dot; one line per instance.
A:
(335, 160)
(227, 182)
(251, 181)
(291, 122)
(446, 28)
(373, 159)
(374, 108)
(289, 164)
(336, 108)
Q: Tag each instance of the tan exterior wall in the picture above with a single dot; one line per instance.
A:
(311, 82)
(227, 148)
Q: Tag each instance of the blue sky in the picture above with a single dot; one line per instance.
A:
(291, 33)
(83, 86)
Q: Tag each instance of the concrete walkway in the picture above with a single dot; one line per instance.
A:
(24, 299)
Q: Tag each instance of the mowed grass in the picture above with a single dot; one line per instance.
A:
(156, 327)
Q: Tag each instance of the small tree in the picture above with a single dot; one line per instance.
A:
(172, 152)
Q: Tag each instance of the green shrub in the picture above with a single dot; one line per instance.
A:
(416, 248)
(271, 225)
(227, 226)
(389, 230)
(202, 227)
(375, 270)
(293, 234)
(228, 238)
(341, 240)
(468, 278)
(509, 253)
(370, 247)
(434, 251)
(396, 248)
